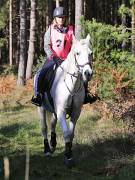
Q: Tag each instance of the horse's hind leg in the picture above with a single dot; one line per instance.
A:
(44, 130)
(53, 141)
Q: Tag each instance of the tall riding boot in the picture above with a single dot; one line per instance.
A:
(40, 85)
(37, 99)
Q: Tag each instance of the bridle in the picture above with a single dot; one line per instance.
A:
(75, 75)
(80, 66)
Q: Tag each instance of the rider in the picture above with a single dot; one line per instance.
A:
(57, 44)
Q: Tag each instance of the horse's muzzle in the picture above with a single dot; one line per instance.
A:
(88, 75)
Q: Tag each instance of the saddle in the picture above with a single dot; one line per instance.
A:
(50, 74)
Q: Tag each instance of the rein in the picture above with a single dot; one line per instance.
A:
(75, 92)
(75, 76)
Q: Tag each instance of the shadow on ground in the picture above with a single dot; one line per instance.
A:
(100, 161)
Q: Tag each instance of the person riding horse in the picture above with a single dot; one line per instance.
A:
(57, 45)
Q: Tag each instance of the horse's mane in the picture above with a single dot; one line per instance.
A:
(69, 63)
(70, 56)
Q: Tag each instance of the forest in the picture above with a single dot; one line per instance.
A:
(110, 23)
(105, 135)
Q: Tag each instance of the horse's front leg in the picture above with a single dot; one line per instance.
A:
(68, 158)
(68, 150)
(74, 117)
(44, 130)
(53, 141)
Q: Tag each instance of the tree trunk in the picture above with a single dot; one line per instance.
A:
(49, 13)
(133, 28)
(50, 10)
(10, 34)
(22, 61)
(66, 6)
(84, 8)
(31, 40)
(0, 56)
(71, 12)
(123, 20)
(78, 14)
(57, 3)
(16, 30)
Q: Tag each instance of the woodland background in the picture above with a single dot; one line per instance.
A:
(111, 24)
(104, 144)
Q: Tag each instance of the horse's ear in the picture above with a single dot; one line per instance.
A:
(74, 40)
(88, 38)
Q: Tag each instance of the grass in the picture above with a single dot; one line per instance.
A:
(103, 148)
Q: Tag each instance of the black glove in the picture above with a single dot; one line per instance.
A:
(57, 60)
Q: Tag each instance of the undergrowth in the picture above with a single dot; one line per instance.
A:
(113, 66)
(102, 148)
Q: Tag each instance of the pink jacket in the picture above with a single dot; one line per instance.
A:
(61, 42)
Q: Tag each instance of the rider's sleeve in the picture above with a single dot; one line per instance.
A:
(47, 43)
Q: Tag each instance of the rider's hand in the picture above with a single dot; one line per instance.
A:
(57, 60)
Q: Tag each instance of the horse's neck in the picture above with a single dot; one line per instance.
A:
(69, 65)
(71, 73)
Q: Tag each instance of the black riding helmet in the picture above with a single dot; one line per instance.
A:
(59, 12)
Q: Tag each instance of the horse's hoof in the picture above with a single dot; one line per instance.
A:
(69, 162)
(47, 154)
(52, 149)
(47, 150)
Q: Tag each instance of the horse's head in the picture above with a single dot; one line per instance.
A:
(83, 57)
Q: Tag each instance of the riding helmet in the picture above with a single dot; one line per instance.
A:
(59, 12)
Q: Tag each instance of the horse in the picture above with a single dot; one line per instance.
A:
(67, 92)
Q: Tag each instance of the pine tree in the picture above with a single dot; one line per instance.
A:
(22, 61)
(78, 14)
(133, 26)
(31, 40)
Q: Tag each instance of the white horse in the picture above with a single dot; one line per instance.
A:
(68, 94)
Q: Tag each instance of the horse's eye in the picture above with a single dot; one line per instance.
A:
(77, 53)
